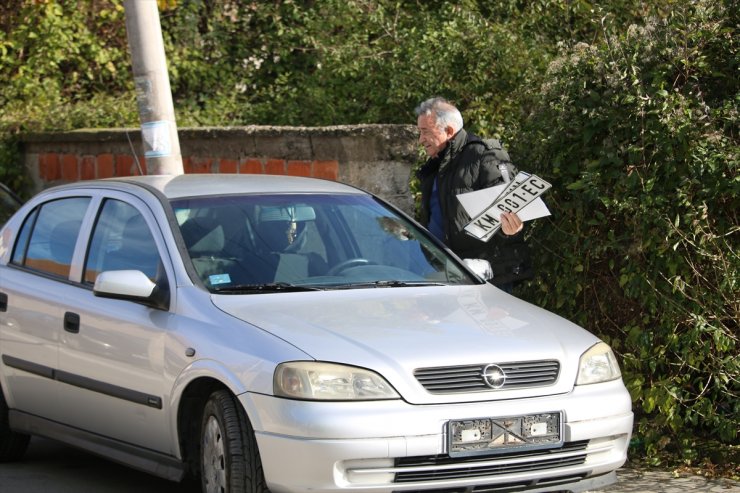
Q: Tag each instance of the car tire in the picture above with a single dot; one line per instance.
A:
(12, 444)
(229, 458)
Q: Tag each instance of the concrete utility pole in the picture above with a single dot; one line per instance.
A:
(153, 94)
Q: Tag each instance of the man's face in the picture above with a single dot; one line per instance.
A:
(432, 138)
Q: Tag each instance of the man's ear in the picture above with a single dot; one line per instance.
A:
(449, 131)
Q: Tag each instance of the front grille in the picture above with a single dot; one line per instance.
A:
(444, 467)
(469, 378)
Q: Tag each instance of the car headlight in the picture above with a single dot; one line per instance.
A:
(598, 364)
(312, 380)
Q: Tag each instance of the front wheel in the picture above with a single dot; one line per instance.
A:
(230, 461)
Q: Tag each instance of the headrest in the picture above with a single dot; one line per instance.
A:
(62, 240)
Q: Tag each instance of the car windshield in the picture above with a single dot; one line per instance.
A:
(301, 242)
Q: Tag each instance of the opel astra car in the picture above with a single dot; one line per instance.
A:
(268, 333)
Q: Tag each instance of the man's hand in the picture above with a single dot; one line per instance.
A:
(510, 223)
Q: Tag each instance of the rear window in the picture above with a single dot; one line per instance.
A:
(49, 236)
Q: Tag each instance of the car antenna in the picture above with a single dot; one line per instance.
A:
(136, 158)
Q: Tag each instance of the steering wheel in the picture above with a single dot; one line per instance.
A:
(347, 264)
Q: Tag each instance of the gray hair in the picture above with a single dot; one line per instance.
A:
(443, 111)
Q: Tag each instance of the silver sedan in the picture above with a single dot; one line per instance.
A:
(268, 333)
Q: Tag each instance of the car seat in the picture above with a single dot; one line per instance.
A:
(138, 250)
(283, 232)
(62, 240)
(222, 248)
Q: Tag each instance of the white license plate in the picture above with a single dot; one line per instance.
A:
(497, 435)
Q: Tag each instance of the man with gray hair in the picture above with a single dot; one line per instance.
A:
(461, 162)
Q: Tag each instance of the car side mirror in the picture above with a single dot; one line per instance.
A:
(131, 285)
(482, 268)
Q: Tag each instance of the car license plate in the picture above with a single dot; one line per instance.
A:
(498, 435)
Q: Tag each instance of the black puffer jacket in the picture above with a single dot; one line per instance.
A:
(464, 166)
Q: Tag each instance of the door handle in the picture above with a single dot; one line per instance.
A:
(71, 322)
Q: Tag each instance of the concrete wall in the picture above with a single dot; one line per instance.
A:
(378, 158)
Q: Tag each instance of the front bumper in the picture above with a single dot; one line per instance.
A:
(392, 446)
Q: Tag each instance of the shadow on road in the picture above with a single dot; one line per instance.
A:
(51, 467)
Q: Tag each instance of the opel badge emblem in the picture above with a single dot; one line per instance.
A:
(494, 376)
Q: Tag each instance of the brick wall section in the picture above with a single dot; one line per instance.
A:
(104, 166)
(379, 158)
(316, 169)
(54, 167)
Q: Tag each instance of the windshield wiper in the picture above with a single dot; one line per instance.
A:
(388, 284)
(271, 287)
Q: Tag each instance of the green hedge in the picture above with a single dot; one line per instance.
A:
(638, 134)
(62, 66)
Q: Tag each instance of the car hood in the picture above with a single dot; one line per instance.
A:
(395, 331)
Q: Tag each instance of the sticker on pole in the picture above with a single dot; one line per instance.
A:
(524, 190)
(156, 137)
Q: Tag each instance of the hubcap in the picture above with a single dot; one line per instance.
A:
(214, 462)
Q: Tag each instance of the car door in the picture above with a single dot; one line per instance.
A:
(112, 355)
(35, 289)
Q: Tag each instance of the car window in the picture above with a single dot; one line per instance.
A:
(386, 239)
(49, 235)
(309, 240)
(121, 240)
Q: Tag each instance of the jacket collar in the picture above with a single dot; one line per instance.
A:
(457, 142)
(454, 146)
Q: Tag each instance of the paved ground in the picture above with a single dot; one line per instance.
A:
(665, 482)
(50, 467)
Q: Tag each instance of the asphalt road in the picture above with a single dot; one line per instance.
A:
(50, 467)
